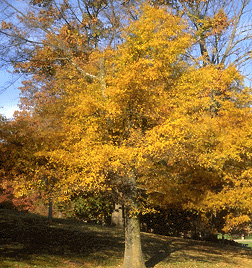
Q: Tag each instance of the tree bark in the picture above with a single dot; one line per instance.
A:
(133, 256)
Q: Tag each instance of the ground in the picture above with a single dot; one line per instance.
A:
(28, 240)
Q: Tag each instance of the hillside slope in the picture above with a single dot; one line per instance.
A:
(28, 240)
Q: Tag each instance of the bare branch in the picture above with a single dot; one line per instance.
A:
(234, 31)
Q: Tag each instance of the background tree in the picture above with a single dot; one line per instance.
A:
(92, 207)
(222, 30)
(16, 161)
(24, 173)
(72, 28)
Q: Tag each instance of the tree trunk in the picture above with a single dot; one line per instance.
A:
(117, 217)
(133, 256)
(50, 209)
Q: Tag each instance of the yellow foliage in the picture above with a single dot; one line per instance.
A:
(236, 222)
(184, 132)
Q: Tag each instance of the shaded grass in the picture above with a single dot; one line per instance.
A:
(33, 240)
(28, 240)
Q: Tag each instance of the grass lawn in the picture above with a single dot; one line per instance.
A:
(247, 242)
(28, 240)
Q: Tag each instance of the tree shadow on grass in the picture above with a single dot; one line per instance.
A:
(160, 255)
(23, 236)
(169, 250)
(160, 251)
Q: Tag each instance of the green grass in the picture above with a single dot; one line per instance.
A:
(247, 242)
(28, 240)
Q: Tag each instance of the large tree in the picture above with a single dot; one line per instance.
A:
(133, 117)
(142, 119)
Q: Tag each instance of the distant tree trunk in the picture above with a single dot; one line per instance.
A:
(133, 256)
(222, 236)
(50, 208)
(117, 217)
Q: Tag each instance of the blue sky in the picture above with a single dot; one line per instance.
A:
(9, 98)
